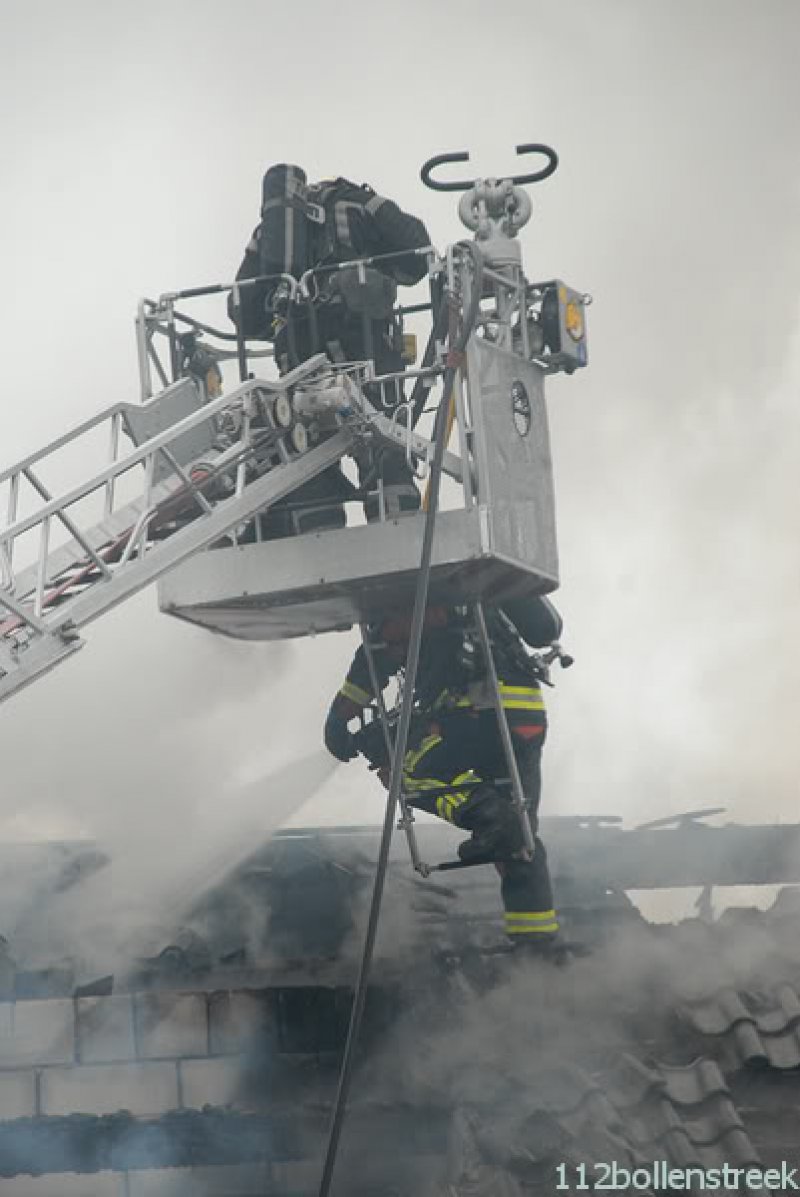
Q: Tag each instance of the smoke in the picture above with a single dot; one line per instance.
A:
(512, 1045)
(675, 452)
(135, 906)
(174, 772)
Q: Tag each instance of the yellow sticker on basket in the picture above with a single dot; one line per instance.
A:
(573, 318)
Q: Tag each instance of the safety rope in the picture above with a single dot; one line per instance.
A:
(454, 361)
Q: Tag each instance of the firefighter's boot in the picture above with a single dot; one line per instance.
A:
(551, 949)
(496, 833)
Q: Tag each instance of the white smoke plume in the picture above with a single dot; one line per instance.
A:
(675, 452)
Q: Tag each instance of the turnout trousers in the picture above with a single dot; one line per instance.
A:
(462, 748)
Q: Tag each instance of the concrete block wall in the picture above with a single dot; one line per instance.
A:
(245, 1180)
(155, 1052)
(146, 1052)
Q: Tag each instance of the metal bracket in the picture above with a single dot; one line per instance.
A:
(391, 431)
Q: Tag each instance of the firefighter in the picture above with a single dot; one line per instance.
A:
(349, 314)
(455, 743)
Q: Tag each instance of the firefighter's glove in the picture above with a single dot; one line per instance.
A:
(338, 740)
(371, 743)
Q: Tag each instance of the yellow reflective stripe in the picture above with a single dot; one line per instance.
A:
(531, 922)
(446, 808)
(531, 929)
(355, 694)
(420, 784)
(447, 804)
(521, 698)
(531, 916)
(415, 755)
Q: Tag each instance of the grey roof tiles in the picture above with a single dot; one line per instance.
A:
(746, 1029)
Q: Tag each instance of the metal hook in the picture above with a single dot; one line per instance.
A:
(536, 176)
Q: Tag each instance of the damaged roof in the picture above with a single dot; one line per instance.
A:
(479, 1073)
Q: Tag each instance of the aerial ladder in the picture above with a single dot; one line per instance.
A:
(202, 464)
(179, 501)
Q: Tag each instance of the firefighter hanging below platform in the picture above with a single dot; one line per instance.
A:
(455, 765)
(306, 234)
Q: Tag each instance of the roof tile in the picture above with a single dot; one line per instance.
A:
(752, 1029)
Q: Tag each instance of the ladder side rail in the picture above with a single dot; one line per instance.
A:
(7, 661)
(135, 535)
(138, 455)
(23, 613)
(41, 571)
(200, 533)
(100, 537)
(61, 441)
(68, 523)
(7, 550)
(186, 479)
(155, 443)
(108, 531)
(40, 658)
(113, 454)
(143, 339)
(152, 353)
(56, 637)
(115, 414)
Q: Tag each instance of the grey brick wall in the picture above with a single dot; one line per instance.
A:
(66, 1184)
(237, 1020)
(37, 1032)
(146, 1087)
(241, 1180)
(17, 1094)
(150, 1053)
(104, 1029)
(104, 1054)
(214, 1082)
(171, 1025)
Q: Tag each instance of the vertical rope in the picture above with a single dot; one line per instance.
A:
(455, 359)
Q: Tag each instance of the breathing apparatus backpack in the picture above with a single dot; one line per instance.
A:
(304, 227)
(283, 233)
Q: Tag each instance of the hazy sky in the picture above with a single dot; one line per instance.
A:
(133, 140)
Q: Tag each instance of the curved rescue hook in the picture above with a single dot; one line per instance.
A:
(536, 176)
(439, 160)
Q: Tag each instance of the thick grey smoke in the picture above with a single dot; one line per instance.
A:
(509, 1054)
(675, 453)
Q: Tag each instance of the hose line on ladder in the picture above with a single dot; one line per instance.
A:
(458, 343)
